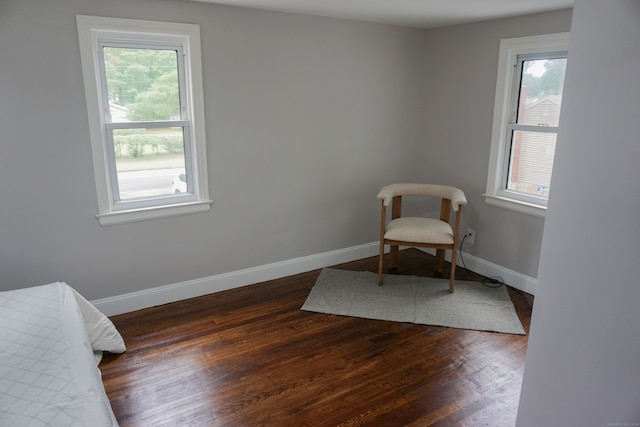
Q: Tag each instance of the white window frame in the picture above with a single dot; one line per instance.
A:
(506, 87)
(94, 32)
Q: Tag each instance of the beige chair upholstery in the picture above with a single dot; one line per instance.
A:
(434, 233)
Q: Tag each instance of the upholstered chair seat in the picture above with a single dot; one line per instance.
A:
(419, 230)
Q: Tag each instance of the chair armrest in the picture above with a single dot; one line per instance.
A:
(456, 195)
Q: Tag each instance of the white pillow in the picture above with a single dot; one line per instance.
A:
(102, 333)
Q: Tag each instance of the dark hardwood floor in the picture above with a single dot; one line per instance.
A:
(251, 357)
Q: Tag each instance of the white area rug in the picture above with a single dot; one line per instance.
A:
(419, 300)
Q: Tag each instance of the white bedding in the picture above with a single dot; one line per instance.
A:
(48, 373)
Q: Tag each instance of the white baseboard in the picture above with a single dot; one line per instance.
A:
(478, 265)
(194, 288)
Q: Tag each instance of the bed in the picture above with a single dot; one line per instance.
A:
(51, 341)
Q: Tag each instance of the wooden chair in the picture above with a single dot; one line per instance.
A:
(420, 232)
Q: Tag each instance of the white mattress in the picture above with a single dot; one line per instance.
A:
(48, 373)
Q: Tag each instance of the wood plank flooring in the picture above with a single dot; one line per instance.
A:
(251, 357)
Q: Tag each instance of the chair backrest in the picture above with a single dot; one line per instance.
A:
(454, 194)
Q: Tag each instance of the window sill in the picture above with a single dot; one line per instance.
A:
(515, 205)
(156, 212)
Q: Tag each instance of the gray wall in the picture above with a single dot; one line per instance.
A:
(582, 359)
(461, 70)
(306, 119)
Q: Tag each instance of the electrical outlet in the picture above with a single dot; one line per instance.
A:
(471, 236)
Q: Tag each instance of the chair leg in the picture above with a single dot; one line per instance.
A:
(393, 263)
(380, 263)
(452, 276)
(439, 261)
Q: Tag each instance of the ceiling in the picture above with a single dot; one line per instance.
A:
(412, 13)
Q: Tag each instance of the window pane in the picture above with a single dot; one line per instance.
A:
(142, 84)
(531, 162)
(149, 162)
(541, 92)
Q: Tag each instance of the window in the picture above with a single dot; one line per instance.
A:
(525, 124)
(143, 85)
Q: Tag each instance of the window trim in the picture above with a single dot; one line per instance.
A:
(91, 31)
(496, 194)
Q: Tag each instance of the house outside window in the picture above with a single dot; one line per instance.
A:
(143, 85)
(526, 118)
